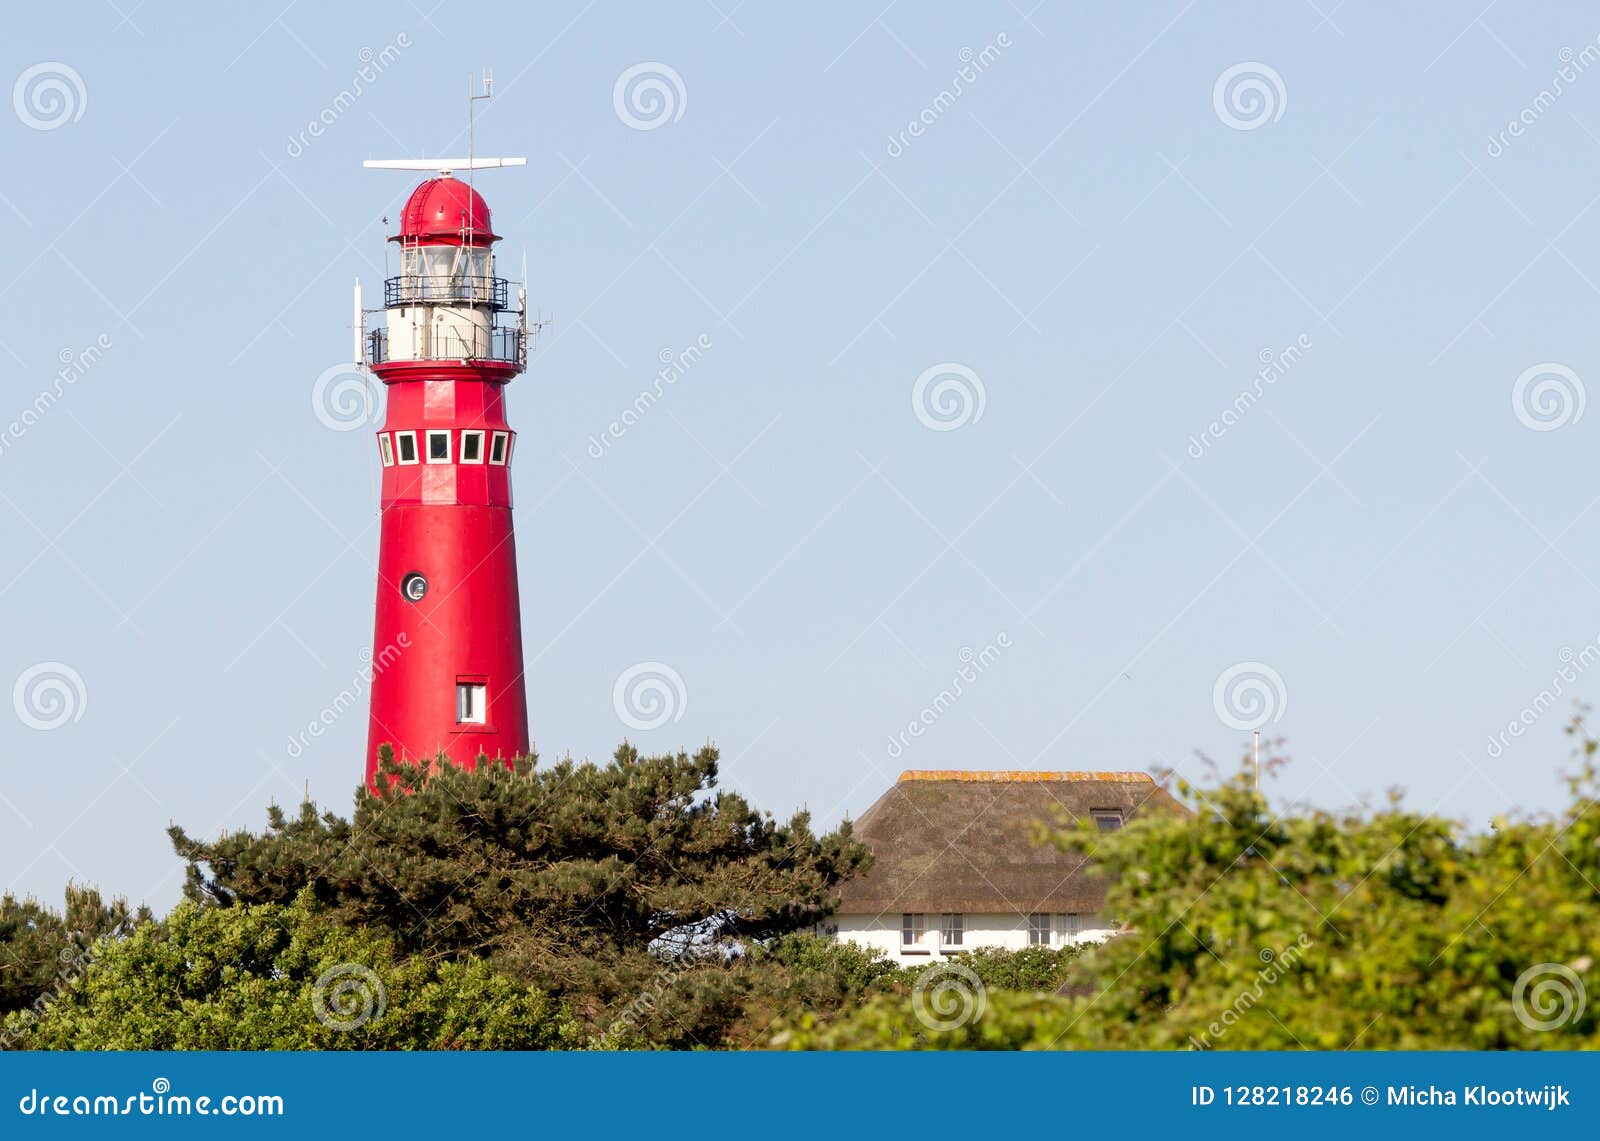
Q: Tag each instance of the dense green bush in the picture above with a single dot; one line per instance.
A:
(284, 978)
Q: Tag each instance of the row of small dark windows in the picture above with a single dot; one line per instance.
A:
(468, 449)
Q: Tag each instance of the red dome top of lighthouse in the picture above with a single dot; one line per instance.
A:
(445, 211)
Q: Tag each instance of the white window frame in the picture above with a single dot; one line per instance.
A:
(952, 929)
(474, 432)
(504, 440)
(385, 449)
(476, 695)
(1039, 929)
(1068, 927)
(400, 438)
(434, 433)
(915, 924)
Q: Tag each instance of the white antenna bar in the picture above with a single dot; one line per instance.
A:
(359, 325)
(442, 165)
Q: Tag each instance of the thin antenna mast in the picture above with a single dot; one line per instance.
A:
(488, 92)
(1257, 752)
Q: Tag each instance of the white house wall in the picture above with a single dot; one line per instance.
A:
(993, 930)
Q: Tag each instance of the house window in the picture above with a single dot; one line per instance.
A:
(385, 449)
(499, 448)
(472, 447)
(406, 445)
(438, 447)
(950, 930)
(472, 702)
(1107, 819)
(1039, 929)
(1067, 929)
(911, 930)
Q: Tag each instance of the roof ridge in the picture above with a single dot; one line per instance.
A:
(1021, 775)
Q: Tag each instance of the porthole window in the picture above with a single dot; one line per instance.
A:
(499, 448)
(438, 447)
(405, 444)
(472, 447)
(413, 587)
(385, 449)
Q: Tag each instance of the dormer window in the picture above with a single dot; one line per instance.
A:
(1107, 819)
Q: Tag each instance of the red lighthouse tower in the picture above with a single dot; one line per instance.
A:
(447, 644)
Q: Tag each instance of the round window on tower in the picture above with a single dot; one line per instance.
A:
(414, 586)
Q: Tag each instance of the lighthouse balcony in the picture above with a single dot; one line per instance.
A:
(444, 289)
(502, 344)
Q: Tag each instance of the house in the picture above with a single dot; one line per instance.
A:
(958, 867)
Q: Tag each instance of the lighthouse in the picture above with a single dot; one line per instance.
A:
(447, 638)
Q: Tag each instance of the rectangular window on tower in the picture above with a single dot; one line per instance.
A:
(405, 446)
(385, 449)
(472, 703)
(472, 447)
(438, 447)
(499, 448)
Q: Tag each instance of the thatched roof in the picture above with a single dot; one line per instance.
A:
(962, 841)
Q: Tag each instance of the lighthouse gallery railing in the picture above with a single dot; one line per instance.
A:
(500, 343)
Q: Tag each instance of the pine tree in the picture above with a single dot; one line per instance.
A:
(585, 879)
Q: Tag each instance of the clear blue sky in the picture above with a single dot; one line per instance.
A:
(1080, 227)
